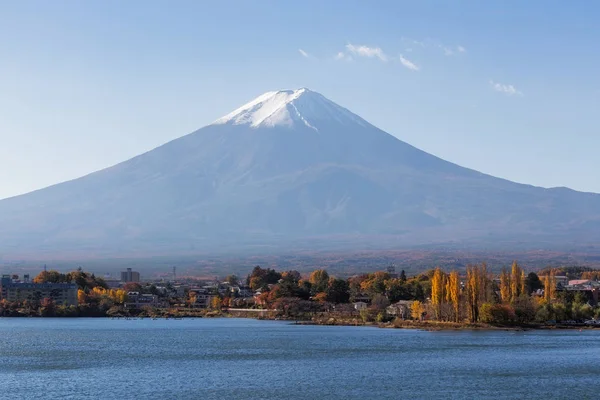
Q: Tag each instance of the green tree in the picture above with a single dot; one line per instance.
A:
(355, 286)
(47, 307)
(496, 313)
(261, 278)
(288, 286)
(417, 290)
(533, 283)
(374, 284)
(379, 302)
(132, 287)
(232, 280)
(319, 280)
(403, 276)
(338, 291)
(524, 309)
(305, 288)
(396, 290)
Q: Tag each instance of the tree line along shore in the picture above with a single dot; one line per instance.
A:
(472, 298)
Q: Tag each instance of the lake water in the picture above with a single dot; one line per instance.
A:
(249, 359)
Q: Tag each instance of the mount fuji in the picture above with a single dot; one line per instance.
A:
(288, 167)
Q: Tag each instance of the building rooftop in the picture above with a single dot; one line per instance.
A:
(579, 282)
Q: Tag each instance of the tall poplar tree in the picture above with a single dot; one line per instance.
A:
(473, 281)
(515, 281)
(505, 286)
(453, 294)
(438, 286)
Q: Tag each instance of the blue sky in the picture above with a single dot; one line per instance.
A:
(508, 88)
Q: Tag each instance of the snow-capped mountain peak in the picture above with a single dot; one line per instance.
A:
(289, 108)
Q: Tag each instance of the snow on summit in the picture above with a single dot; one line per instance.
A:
(289, 108)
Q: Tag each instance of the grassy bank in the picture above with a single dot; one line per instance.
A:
(345, 320)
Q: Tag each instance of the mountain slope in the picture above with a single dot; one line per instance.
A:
(286, 166)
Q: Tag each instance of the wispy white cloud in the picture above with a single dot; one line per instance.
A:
(447, 50)
(508, 90)
(450, 51)
(373, 52)
(341, 56)
(366, 51)
(303, 53)
(407, 63)
(413, 42)
(432, 44)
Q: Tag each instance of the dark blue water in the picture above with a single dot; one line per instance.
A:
(248, 359)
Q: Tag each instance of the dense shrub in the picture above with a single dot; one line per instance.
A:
(497, 313)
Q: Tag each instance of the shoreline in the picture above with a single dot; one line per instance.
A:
(436, 326)
(429, 326)
(332, 320)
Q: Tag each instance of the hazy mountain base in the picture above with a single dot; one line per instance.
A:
(342, 263)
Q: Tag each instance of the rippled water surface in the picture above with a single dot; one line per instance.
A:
(248, 359)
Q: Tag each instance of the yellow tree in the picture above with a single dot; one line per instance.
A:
(523, 283)
(120, 296)
(192, 298)
(453, 293)
(215, 303)
(552, 286)
(549, 286)
(81, 297)
(438, 286)
(416, 310)
(447, 289)
(98, 291)
(51, 276)
(42, 277)
(485, 287)
(473, 282)
(515, 281)
(505, 286)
